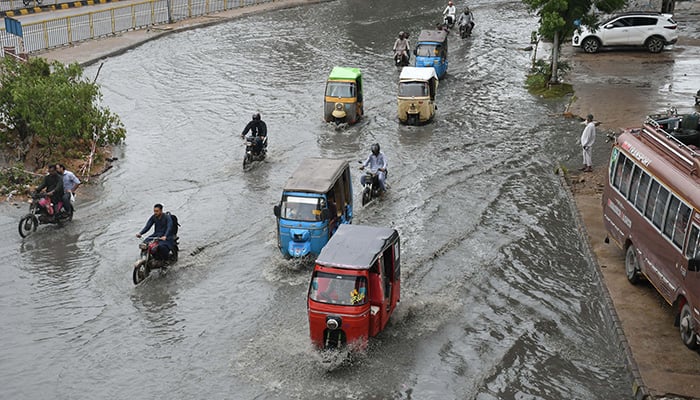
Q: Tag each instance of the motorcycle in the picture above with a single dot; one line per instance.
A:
(42, 211)
(147, 261)
(466, 30)
(400, 59)
(250, 153)
(371, 189)
(448, 21)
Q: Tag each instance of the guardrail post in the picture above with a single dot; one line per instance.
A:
(70, 33)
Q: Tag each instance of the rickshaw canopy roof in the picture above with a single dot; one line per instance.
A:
(432, 36)
(356, 246)
(315, 175)
(418, 74)
(345, 73)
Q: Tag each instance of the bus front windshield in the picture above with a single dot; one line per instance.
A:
(340, 89)
(346, 290)
(413, 89)
(301, 208)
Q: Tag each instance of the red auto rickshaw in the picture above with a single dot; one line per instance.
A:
(355, 286)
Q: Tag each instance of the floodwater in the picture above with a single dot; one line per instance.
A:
(499, 300)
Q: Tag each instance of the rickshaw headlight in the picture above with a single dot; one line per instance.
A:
(339, 106)
(333, 323)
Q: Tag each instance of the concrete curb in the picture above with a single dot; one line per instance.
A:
(52, 7)
(158, 31)
(639, 390)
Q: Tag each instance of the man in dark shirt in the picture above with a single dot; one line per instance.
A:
(162, 231)
(53, 183)
(258, 130)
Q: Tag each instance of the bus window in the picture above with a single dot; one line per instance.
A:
(692, 250)
(660, 207)
(681, 225)
(671, 216)
(634, 185)
(653, 192)
(642, 192)
(618, 170)
(626, 176)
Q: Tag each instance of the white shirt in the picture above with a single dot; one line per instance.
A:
(450, 10)
(588, 135)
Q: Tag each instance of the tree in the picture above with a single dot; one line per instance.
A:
(51, 107)
(557, 18)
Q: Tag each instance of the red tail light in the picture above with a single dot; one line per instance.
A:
(671, 27)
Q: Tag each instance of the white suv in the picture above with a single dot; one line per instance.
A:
(648, 29)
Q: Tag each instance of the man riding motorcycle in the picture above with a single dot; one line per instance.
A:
(162, 231)
(377, 164)
(402, 46)
(258, 130)
(466, 21)
(53, 183)
(450, 13)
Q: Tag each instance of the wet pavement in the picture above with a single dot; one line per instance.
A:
(499, 299)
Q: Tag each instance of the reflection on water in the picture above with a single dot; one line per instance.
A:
(498, 301)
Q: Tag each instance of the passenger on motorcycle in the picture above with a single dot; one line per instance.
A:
(70, 184)
(162, 231)
(466, 19)
(377, 164)
(401, 46)
(450, 12)
(258, 130)
(53, 183)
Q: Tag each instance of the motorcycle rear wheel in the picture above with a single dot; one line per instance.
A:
(27, 225)
(366, 196)
(141, 272)
(247, 160)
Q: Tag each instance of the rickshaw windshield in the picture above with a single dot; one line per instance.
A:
(426, 50)
(346, 290)
(340, 89)
(413, 89)
(301, 208)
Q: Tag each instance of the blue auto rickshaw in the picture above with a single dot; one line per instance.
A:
(316, 199)
(431, 51)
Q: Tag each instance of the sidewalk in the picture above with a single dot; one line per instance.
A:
(92, 51)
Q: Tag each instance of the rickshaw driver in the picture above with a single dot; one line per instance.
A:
(258, 130)
(377, 164)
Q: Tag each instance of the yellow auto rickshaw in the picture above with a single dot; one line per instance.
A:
(417, 90)
(343, 100)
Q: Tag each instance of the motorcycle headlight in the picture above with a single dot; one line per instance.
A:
(143, 246)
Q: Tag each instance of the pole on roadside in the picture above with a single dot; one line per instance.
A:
(170, 11)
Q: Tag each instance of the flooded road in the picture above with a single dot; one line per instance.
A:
(498, 300)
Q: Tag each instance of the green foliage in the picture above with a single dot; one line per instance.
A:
(16, 179)
(559, 15)
(538, 81)
(52, 108)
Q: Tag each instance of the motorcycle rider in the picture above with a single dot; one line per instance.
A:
(258, 130)
(162, 231)
(401, 46)
(53, 183)
(377, 164)
(466, 19)
(70, 185)
(450, 13)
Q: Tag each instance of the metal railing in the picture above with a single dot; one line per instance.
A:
(62, 31)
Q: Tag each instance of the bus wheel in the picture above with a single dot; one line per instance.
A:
(686, 326)
(631, 265)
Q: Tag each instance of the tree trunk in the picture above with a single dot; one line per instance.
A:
(668, 6)
(555, 59)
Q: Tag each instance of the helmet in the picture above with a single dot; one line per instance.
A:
(402, 34)
(375, 149)
(256, 116)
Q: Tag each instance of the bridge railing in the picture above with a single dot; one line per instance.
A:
(63, 31)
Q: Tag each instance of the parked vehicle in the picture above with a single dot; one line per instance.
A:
(355, 287)
(316, 200)
(651, 30)
(147, 262)
(417, 92)
(343, 100)
(250, 153)
(650, 210)
(42, 211)
(431, 51)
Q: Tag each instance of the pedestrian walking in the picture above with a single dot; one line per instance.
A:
(587, 140)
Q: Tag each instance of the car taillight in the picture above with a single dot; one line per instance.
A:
(671, 27)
